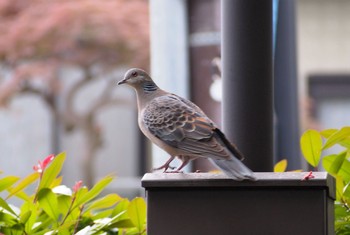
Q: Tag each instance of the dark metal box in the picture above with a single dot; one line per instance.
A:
(212, 204)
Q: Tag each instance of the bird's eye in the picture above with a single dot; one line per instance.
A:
(134, 74)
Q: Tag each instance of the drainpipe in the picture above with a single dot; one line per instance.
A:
(247, 79)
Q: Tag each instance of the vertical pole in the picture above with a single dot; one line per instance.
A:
(286, 87)
(247, 79)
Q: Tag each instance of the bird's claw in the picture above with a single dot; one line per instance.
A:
(175, 171)
(163, 167)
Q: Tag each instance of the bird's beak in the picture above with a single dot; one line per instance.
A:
(121, 82)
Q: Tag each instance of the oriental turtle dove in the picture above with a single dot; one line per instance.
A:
(181, 128)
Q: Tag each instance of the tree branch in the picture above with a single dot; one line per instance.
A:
(106, 99)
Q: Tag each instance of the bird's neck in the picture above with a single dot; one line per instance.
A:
(149, 87)
(144, 96)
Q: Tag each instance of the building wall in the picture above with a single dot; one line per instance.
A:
(24, 135)
(26, 130)
(323, 35)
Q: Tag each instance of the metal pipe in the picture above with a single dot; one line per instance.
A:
(247, 79)
(286, 87)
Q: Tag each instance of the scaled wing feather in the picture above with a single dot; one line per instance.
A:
(184, 126)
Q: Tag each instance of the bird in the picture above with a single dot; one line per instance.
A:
(182, 129)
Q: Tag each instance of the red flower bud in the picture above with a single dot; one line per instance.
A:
(42, 165)
(77, 186)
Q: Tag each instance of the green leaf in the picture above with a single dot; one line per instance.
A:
(64, 203)
(337, 137)
(120, 212)
(7, 182)
(311, 146)
(345, 143)
(95, 191)
(64, 231)
(6, 206)
(344, 171)
(101, 214)
(24, 183)
(121, 220)
(80, 194)
(33, 209)
(25, 217)
(333, 163)
(105, 202)
(123, 223)
(121, 207)
(340, 210)
(346, 191)
(44, 225)
(328, 132)
(51, 172)
(23, 196)
(7, 219)
(48, 201)
(137, 213)
(56, 182)
(339, 188)
(280, 166)
(105, 224)
(66, 228)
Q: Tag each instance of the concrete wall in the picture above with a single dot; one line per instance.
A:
(25, 137)
(323, 35)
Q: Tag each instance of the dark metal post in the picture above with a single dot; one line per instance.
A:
(286, 98)
(247, 79)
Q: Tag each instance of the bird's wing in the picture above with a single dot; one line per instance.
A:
(182, 125)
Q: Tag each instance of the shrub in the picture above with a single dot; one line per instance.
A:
(337, 164)
(56, 209)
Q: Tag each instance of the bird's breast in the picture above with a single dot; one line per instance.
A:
(155, 140)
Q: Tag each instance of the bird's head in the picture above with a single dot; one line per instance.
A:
(138, 79)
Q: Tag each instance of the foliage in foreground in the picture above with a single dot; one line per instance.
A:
(337, 164)
(56, 209)
(312, 144)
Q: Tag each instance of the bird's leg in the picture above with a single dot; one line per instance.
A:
(185, 161)
(166, 166)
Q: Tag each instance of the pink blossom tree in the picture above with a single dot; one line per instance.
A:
(40, 37)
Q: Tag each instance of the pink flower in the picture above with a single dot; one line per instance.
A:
(42, 165)
(77, 186)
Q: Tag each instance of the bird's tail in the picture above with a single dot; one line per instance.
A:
(235, 169)
(232, 167)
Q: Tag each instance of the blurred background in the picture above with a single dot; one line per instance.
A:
(60, 61)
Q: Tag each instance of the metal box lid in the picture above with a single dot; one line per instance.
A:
(264, 179)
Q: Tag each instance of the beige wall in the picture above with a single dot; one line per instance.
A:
(323, 36)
